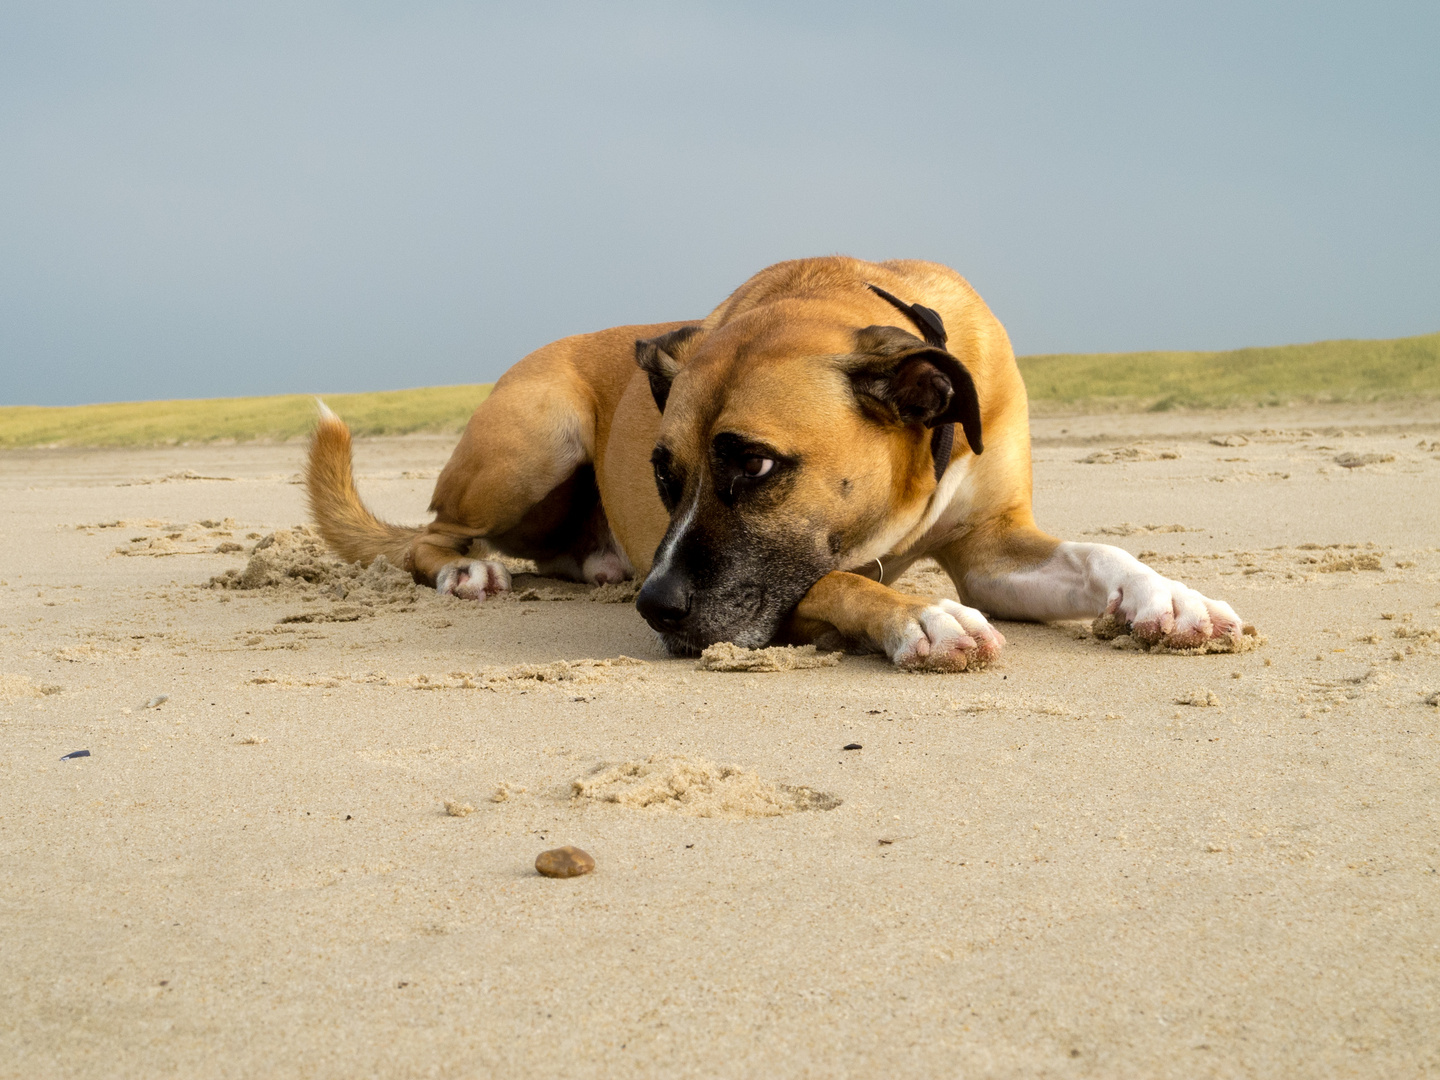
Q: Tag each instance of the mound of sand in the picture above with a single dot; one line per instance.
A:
(297, 560)
(1113, 629)
(156, 539)
(1351, 460)
(1201, 697)
(17, 687)
(1336, 564)
(1418, 634)
(724, 656)
(561, 671)
(671, 783)
(1117, 454)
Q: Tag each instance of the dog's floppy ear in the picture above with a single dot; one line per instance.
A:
(661, 357)
(920, 383)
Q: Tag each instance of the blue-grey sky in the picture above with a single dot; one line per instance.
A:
(207, 199)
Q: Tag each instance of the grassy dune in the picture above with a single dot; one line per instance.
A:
(141, 423)
(1325, 371)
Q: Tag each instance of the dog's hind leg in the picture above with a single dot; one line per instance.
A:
(579, 550)
(518, 483)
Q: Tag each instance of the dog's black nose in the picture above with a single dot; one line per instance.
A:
(665, 601)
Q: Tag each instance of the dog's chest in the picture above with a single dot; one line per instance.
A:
(947, 515)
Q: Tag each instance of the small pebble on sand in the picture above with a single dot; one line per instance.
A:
(1199, 696)
(564, 862)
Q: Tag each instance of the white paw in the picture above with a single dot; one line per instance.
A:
(1158, 610)
(944, 636)
(473, 579)
(607, 567)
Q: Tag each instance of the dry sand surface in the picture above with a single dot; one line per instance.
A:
(1083, 861)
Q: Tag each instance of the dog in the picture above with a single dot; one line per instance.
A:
(769, 471)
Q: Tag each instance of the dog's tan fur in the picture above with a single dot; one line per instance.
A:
(774, 366)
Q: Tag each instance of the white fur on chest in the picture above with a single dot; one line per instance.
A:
(944, 515)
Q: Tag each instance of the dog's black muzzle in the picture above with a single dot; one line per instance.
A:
(689, 619)
(665, 602)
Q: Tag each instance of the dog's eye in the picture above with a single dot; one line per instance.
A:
(746, 472)
(669, 486)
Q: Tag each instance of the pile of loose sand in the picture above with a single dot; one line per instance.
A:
(561, 671)
(1419, 635)
(1201, 697)
(693, 787)
(297, 560)
(724, 656)
(1335, 564)
(17, 687)
(1117, 454)
(1114, 629)
(1351, 460)
(156, 539)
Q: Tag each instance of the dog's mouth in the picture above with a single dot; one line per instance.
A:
(742, 619)
(692, 644)
(679, 644)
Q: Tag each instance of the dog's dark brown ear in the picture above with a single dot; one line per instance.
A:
(661, 358)
(920, 384)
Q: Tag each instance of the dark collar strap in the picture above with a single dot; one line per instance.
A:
(926, 320)
(942, 442)
(932, 329)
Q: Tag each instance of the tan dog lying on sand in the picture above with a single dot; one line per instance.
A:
(767, 470)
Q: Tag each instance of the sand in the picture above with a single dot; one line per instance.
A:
(673, 783)
(724, 656)
(1048, 867)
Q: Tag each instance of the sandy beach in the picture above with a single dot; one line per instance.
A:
(1086, 860)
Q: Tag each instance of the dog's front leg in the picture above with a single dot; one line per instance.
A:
(1024, 574)
(917, 634)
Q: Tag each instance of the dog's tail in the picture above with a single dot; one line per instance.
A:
(346, 523)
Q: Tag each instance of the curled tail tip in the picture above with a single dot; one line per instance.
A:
(328, 424)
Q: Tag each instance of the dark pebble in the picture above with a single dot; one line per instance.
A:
(75, 754)
(852, 746)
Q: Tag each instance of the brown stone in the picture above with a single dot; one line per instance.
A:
(564, 861)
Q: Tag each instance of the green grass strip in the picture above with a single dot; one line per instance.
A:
(285, 416)
(1324, 371)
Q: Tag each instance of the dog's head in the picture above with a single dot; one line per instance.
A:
(791, 442)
